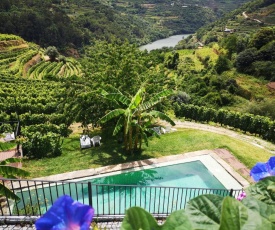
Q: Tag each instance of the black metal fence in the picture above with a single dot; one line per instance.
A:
(36, 197)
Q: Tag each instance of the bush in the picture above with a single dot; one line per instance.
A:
(52, 52)
(39, 146)
(245, 59)
(260, 125)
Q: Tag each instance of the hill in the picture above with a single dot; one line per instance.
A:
(231, 62)
(76, 23)
(27, 60)
(178, 16)
(243, 21)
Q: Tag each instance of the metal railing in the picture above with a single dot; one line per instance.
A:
(36, 197)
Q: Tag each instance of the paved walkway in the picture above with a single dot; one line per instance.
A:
(234, 163)
(11, 153)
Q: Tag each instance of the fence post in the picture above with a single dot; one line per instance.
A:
(231, 192)
(90, 194)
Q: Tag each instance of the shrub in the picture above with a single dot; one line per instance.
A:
(39, 145)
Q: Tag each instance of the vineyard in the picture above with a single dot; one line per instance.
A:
(41, 108)
(27, 60)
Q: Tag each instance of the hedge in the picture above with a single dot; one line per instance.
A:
(254, 124)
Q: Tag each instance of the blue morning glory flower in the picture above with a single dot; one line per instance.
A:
(262, 170)
(66, 214)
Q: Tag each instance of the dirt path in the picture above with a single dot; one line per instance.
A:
(224, 131)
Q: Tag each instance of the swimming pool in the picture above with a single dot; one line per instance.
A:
(190, 175)
(159, 188)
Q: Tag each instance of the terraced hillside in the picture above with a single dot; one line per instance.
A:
(244, 21)
(22, 59)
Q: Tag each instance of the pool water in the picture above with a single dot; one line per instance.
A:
(189, 175)
(166, 191)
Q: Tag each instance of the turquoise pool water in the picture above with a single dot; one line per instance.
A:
(158, 190)
(191, 174)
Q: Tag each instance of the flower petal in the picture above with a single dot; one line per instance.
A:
(259, 171)
(66, 214)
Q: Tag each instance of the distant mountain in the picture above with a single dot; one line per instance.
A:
(74, 23)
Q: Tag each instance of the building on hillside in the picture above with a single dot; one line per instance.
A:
(271, 85)
(228, 30)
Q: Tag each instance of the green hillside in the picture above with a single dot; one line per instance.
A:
(75, 23)
(243, 21)
(27, 60)
(223, 74)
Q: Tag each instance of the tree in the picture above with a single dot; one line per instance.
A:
(10, 172)
(222, 64)
(136, 116)
(245, 59)
(263, 37)
(52, 52)
(230, 43)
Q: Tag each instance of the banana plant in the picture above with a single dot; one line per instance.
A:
(10, 172)
(135, 116)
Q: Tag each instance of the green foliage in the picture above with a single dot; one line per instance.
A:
(263, 108)
(260, 125)
(39, 145)
(136, 117)
(214, 212)
(52, 52)
(172, 61)
(222, 64)
(8, 171)
(263, 37)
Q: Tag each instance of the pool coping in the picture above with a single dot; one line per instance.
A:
(235, 168)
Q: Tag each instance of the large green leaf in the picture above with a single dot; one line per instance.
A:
(118, 97)
(119, 125)
(155, 100)
(10, 160)
(263, 190)
(137, 218)
(205, 211)
(177, 220)
(7, 193)
(11, 172)
(236, 216)
(136, 100)
(162, 116)
(262, 208)
(114, 113)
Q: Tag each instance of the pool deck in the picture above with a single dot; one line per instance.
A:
(232, 165)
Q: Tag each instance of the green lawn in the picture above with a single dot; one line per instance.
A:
(110, 152)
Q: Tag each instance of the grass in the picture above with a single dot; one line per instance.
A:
(111, 152)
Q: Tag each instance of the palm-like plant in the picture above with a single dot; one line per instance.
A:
(136, 117)
(10, 172)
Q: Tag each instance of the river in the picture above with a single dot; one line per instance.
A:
(171, 41)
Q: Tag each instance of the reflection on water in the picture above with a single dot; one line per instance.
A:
(192, 174)
(166, 42)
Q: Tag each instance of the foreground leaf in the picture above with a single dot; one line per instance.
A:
(137, 218)
(263, 190)
(236, 216)
(8, 193)
(262, 208)
(205, 211)
(177, 220)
